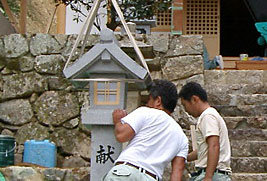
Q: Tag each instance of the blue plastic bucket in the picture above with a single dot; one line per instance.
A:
(7, 148)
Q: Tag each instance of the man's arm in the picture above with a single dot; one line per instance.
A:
(178, 165)
(123, 132)
(213, 156)
(192, 156)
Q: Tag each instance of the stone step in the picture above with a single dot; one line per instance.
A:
(249, 176)
(249, 148)
(250, 134)
(242, 110)
(245, 122)
(216, 98)
(249, 164)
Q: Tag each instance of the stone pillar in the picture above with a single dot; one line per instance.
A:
(104, 147)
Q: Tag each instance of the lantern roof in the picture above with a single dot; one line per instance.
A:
(107, 58)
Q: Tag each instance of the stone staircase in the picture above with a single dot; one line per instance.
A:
(249, 154)
(241, 98)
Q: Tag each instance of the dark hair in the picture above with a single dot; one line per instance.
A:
(167, 91)
(193, 88)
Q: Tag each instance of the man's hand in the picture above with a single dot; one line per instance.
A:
(123, 132)
(192, 156)
(118, 114)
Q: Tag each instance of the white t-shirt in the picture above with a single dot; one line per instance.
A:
(158, 139)
(210, 123)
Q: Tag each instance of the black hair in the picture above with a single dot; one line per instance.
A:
(193, 88)
(167, 91)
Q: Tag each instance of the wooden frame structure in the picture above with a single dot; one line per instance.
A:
(105, 90)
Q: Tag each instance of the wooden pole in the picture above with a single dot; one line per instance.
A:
(193, 137)
(61, 19)
(10, 15)
(177, 17)
(23, 16)
(132, 40)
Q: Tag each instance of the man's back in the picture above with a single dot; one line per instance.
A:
(158, 139)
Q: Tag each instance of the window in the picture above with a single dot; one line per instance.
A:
(201, 17)
(106, 93)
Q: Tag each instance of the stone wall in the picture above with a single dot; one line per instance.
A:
(37, 102)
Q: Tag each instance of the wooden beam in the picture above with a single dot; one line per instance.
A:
(61, 19)
(23, 16)
(11, 18)
(177, 17)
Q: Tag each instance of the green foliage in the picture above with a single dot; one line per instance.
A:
(132, 9)
(13, 5)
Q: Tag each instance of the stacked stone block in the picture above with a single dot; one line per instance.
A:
(37, 102)
(241, 97)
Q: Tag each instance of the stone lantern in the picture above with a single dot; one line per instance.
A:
(108, 71)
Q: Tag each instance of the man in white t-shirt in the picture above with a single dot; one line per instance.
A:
(213, 152)
(155, 138)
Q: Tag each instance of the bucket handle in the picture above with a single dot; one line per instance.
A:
(6, 152)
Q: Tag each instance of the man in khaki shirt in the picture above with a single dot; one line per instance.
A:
(213, 147)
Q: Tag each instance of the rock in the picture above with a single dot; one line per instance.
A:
(66, 51)
(52, 174)
(185, 45)
(244, 77)
(20, 85)
(2, 55)
(18, 158)
(72, 142)
(2, 49)
(31, 131)
(19, 173)
(249, 164)
(248, 99)
(182, 67)
(249, 148)
(248, 134)
(73, 123)
(195, 78)
(56, 107)
(74, 162)
(61, 39)
(15, 45)
(249, 176)
(58, 83)
(26, 63)
(160, 42)
(16, 112)
(44, 44)
(156, 75)
(233, 122)
(242, 110)
(49, 64)
(154, 64)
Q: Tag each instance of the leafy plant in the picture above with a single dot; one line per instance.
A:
(13, 5)
(132, 9)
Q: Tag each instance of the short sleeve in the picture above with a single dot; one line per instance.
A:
(135, 119)
(209, 126)
(184, 149)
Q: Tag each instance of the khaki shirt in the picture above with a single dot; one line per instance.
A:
(211, 123)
